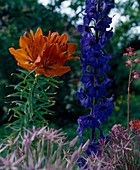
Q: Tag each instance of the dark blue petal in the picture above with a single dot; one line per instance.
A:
(84, 98)
(87, 122)
(82, 163)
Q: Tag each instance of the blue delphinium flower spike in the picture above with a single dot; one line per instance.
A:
(96, 32)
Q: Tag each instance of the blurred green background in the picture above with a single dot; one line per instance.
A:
(16, 17)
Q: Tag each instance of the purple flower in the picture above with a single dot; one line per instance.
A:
(102, 111)
(105, 37)
(96, 32)
(106, 6)
(92, 12)
(84, 98)
(93, 148)
(87, 79)
(82, 162)
(87, 122)
(102, 24)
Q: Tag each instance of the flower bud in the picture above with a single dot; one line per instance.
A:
(134, 72)
(136, 76)
(125, 54)
(129, 63)
(130, 52)
(129, 49)
(137, 60)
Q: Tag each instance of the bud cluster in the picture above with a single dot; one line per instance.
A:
(129, 62)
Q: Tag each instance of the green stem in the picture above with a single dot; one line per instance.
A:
(128, 98)
(30, 111)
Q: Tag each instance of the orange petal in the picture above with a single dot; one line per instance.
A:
(25, 43)
(63, 39)
(39, 43)
(71, 48)
(38, 32)
(53, 71)
(59, 71)
(29, 35)
(32, 34)
(20, 55)
(43, 71)
(28, 67)
(52, 38)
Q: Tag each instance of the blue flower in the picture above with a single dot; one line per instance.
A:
(84, 98)
(82, 162)
(96, 32)
(93, 148)
(106, 6)
(103, 24)
(92, 12)
(97, 91)
(84, 28)
(94, 145)
(87, 79)
(105, 37)
(102, 111)
(87, 122)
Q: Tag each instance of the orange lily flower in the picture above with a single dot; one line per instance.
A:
(31, 47)
(46, 54)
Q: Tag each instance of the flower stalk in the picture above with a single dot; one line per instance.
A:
(128, 97)
(133, 74)
(30, 101)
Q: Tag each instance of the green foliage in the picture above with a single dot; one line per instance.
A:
(31, 101)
